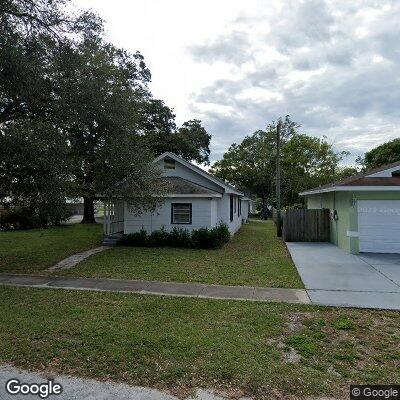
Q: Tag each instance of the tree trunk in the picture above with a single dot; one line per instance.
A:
(88, 210)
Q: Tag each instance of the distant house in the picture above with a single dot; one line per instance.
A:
(364, 209)
(196, 200)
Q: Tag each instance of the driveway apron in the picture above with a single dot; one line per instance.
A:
(334, 277)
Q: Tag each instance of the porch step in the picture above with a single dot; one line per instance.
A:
(111, 240)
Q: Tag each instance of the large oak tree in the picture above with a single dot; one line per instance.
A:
(34, 168)
(56, 70)
(101, 93)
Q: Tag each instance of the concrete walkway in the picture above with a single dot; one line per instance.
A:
(334, 277)
(77, 219)
(77, 258)
(198, 290)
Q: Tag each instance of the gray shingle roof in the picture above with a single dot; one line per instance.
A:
(182, 186)
(361, 179)
(200, 170)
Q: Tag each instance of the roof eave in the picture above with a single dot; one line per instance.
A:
(197, 195)
(230, 191)
(352, 189)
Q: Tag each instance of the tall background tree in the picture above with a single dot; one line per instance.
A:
(386, 153)
(306, 162)
(250, 166)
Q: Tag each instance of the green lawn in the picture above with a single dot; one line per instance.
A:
(37, 249)
(254, 257)
(262, 349)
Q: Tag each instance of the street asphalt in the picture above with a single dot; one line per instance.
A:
(88, 389)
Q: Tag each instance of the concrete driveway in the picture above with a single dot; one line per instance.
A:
(334, 277)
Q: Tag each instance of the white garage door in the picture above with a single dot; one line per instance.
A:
(379, 226)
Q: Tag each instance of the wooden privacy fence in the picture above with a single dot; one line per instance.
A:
(306, 225)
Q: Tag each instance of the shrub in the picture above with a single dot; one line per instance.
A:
(294, 206)
(202, 238)
(158, 238)
(180, 237)
(19, 218)
(211, 238)
(221, 234)
(135, 239)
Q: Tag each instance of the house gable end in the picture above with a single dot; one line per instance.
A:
(190, 172)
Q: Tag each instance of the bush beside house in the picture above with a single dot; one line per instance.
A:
(178, 237)
(21, 218)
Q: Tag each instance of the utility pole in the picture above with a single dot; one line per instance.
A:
(278, 180)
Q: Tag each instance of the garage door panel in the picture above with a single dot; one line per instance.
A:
(379, 226)
(379, 219)
(383, 248)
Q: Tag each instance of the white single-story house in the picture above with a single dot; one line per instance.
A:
(364, 209)
(196, 200)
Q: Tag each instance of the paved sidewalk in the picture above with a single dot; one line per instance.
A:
(198, 290)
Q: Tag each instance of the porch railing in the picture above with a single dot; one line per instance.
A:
(113, 217)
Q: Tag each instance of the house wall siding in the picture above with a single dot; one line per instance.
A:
(214, 213)
(206, 213)
(201, 216)
(236, 223)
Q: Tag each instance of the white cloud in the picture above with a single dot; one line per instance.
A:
(332, 64)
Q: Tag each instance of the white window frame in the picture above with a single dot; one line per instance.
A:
(188, 206)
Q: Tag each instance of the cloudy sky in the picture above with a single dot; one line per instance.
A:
(238, 64)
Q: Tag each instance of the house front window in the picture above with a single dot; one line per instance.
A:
(181, 213)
